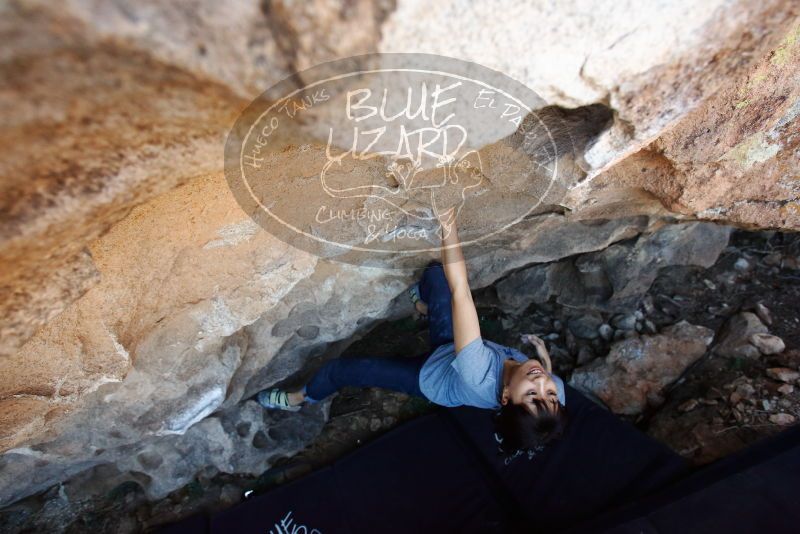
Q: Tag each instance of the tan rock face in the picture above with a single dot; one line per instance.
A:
(140, 305)
(157, 274)
(734, 157)
(88, 131)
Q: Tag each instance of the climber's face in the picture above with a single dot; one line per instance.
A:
(532, 386)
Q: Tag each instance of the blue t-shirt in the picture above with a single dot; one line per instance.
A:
(474, 377)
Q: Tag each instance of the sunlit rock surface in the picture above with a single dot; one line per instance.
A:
(141, 307)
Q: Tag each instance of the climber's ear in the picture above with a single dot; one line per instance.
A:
(505, 396)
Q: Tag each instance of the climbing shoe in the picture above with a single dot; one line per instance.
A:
(275, 399)
(413, 294)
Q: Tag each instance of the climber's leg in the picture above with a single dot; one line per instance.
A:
(435, 290)
(397, 374)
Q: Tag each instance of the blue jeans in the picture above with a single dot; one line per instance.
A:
(397, 374)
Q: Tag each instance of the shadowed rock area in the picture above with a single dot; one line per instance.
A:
(142, 307)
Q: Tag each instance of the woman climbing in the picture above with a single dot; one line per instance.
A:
(462, 369)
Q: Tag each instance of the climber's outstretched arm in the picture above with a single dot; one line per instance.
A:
(466, 327)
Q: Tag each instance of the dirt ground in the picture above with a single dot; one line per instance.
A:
(718, 424)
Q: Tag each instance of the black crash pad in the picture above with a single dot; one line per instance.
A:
(600, 462)
(442, 473)
(754, 490)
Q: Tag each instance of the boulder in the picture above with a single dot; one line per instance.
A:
(141, 304)
(733, 339)
(606, 332)
(586, 326)
(782, 419)
(637, 370)
(783, 374)
(617, 277)
(767, 344)
(624, 322)
(632, 267)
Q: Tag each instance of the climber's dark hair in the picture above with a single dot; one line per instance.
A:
(518, 428)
